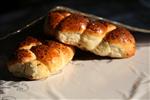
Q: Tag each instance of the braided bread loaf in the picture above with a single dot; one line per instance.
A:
(98, 37)
(36, 60)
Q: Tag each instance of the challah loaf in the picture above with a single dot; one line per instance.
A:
(99, 37)
(36, 60)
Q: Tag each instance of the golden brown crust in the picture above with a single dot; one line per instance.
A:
(74, 23)
(67, 50)
(120, 35)
(47, 56)
(23, 56)
(123, 39)
(51, 51)
(43, 53)
(95, 28)
(29, 42)
(40, 60)
(109, 26)
(54, 18)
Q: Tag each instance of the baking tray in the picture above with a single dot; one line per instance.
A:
(86, 77)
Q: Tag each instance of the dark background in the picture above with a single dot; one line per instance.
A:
(16, 13)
